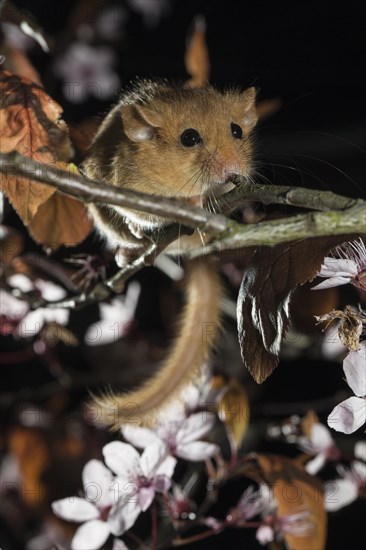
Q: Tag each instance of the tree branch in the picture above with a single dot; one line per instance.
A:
(346, 216)
(302, 226)
(87, 190)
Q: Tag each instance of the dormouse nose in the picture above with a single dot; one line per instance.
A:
(230, 171)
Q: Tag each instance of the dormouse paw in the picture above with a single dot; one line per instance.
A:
(126, 254)
(135, 229)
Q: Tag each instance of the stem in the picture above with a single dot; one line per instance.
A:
(135, 538)
(154, 526)
(194, 538)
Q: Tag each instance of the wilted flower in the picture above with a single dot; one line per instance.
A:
(181, 437)
(350, 415)
(349, 328)
(348, 267)
(94, 510)
(138, 479)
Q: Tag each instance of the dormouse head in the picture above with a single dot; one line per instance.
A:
(190, 141)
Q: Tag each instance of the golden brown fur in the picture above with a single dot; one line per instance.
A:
(139, 146)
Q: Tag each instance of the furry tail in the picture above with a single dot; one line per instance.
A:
(195, 336)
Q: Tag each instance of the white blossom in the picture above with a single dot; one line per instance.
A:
(348, 267)
(115, 318)
(151, 10)
(350, 415)
(182, 437)
(87, 72)
(138, 479)
(345, 490)
(29, 323)
(320, 443)
(94, 510)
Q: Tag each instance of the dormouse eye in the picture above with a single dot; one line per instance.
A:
(236, 131)
(190, 138)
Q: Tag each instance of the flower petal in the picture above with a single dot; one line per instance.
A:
(316, 464)
(123, 516)
(146, 496)
(338, 267)
(50, 291)
(167, 467)
(339, 493)
(75, 509)
(91, 535)
(348, 416)
(97, 481)
(122, 458)
(354, 367)
(152, 457)
(195, 426)
(320, 437)
(359, 471)
(264, 534)
(332, 281)
(197, 450)
(118, 544)
(162, 484)
(139, 437)
(360, 450)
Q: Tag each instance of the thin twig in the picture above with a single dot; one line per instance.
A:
(281, 194)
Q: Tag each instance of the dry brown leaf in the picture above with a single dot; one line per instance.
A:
(30, 124)
(30, 449)
(11, 244)
(308, 422)
(197, 59)
(268, 107)
(61, 220)
(295, 491)
(234, 410)
(306, 304)
(265, 294)
(18, 63)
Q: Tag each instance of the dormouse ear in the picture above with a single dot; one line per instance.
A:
(250, 117)
(139, 122)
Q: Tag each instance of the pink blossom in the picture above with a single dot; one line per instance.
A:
(138, 479)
